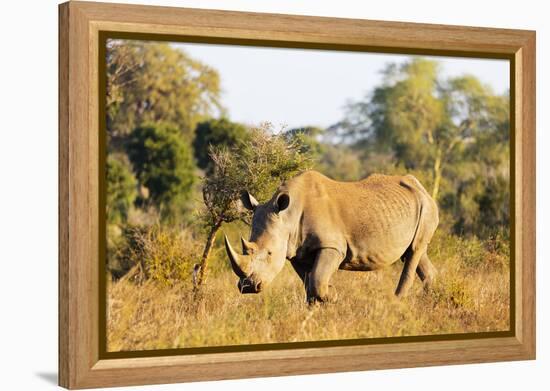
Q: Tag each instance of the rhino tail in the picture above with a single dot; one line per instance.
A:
(410, 182)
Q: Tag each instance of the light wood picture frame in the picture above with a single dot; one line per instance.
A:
(84, 26)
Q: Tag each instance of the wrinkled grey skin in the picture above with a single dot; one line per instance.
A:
(321, 225)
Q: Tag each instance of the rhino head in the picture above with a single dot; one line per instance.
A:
(264, 254)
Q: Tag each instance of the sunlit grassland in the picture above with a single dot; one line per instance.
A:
(471, 294)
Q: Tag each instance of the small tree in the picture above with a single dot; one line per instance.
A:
(163, 162)
(258, 164)
(121, 189)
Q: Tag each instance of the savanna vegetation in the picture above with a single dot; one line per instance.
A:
(176, 167)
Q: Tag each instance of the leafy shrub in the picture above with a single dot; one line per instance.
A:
(258, 164)
(161, 254)
(340, 163)
(122, 247)
(454, 293)
(121, 189)
(498, 247)
(308, 139)
(219, 132)
(471, 252)
(163, 161)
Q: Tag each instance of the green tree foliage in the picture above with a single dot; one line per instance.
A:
(454, 129)
(163, 162)
(257, 164)
(220, 132)
(341, 163)
(155, 82)
(309, 140)
(121, 189)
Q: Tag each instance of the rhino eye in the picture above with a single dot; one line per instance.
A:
(268, 252)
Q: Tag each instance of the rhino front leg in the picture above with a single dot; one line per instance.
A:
(303, 270)
(326, 263)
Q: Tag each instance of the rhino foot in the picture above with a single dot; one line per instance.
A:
(428, 285)
(330, 297)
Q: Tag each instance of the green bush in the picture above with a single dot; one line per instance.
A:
(218, 132)
(454, 293)
(122, 248)
(165, 255)
(308, 141)
(470, 252)
(163, 161)
(121, 189)
(341, 163)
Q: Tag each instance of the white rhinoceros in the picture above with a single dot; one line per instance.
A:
(321, 225)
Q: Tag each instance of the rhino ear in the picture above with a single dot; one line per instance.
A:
(248, 200)
(283, 200)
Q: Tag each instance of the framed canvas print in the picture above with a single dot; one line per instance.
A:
(248, 195)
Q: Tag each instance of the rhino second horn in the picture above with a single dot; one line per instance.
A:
(247, 246)
(238, 262)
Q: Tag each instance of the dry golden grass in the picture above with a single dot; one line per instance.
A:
(471, 294)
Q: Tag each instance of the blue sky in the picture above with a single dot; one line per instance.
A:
(297, 87)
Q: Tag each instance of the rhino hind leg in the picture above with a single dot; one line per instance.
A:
(326, 264)
(427, 224)
(425, 270)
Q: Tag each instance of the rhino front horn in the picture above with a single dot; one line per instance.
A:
(239, 263)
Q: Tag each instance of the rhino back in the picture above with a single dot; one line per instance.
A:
(372, 221)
